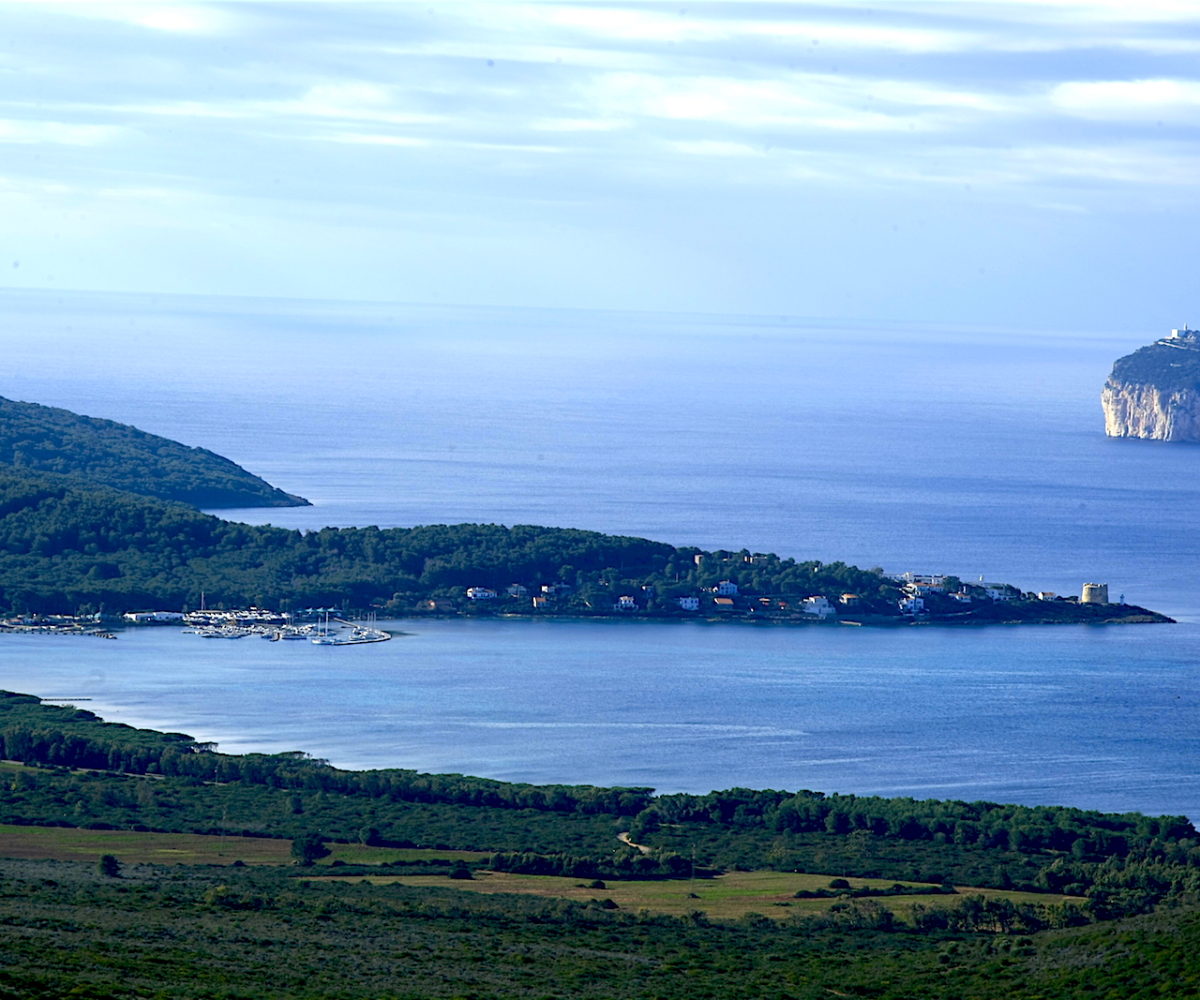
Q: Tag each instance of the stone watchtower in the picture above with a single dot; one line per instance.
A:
(1094, 593)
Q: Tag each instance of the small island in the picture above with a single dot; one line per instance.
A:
(1154, 393)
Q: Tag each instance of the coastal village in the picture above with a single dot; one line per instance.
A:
(924, 598)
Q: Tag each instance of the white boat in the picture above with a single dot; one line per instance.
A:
(357, 637)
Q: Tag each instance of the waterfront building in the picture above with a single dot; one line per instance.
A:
(817, 605)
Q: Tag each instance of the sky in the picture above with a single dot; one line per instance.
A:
(1026, 163)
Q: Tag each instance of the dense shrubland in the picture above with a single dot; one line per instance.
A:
(220, 932)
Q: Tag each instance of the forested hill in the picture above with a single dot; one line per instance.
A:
(65, 546)
(48, 439)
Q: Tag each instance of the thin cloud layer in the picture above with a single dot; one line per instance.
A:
(592, 125)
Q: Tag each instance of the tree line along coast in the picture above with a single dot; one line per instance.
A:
(84, 535)
(151, 780)
(399, 883)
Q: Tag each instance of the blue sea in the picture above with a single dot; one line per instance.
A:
(975, 450)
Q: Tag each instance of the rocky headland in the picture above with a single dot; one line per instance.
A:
(1154, 392)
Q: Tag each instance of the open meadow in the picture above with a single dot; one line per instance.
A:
(728, 896)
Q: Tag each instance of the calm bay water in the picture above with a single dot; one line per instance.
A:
(976, 452)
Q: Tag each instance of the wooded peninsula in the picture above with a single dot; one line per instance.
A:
(100, 517)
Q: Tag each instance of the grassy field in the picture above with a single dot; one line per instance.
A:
(725, 897)
(130, 847)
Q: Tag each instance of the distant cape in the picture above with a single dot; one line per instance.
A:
(36, 438)
(1154, 393)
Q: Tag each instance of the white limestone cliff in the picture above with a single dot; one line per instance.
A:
(1146, 411)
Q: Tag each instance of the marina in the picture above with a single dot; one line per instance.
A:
(72, 628)
(330, 632)
(235, 624)
(345, 634)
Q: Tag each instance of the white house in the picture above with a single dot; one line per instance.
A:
(625, 603)
(517, 590)
(726, 588)
(481, 594)
(818, 606)
(911, 606)
(935, 581)
(689, 603)
(998, 592)
(153, 617)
